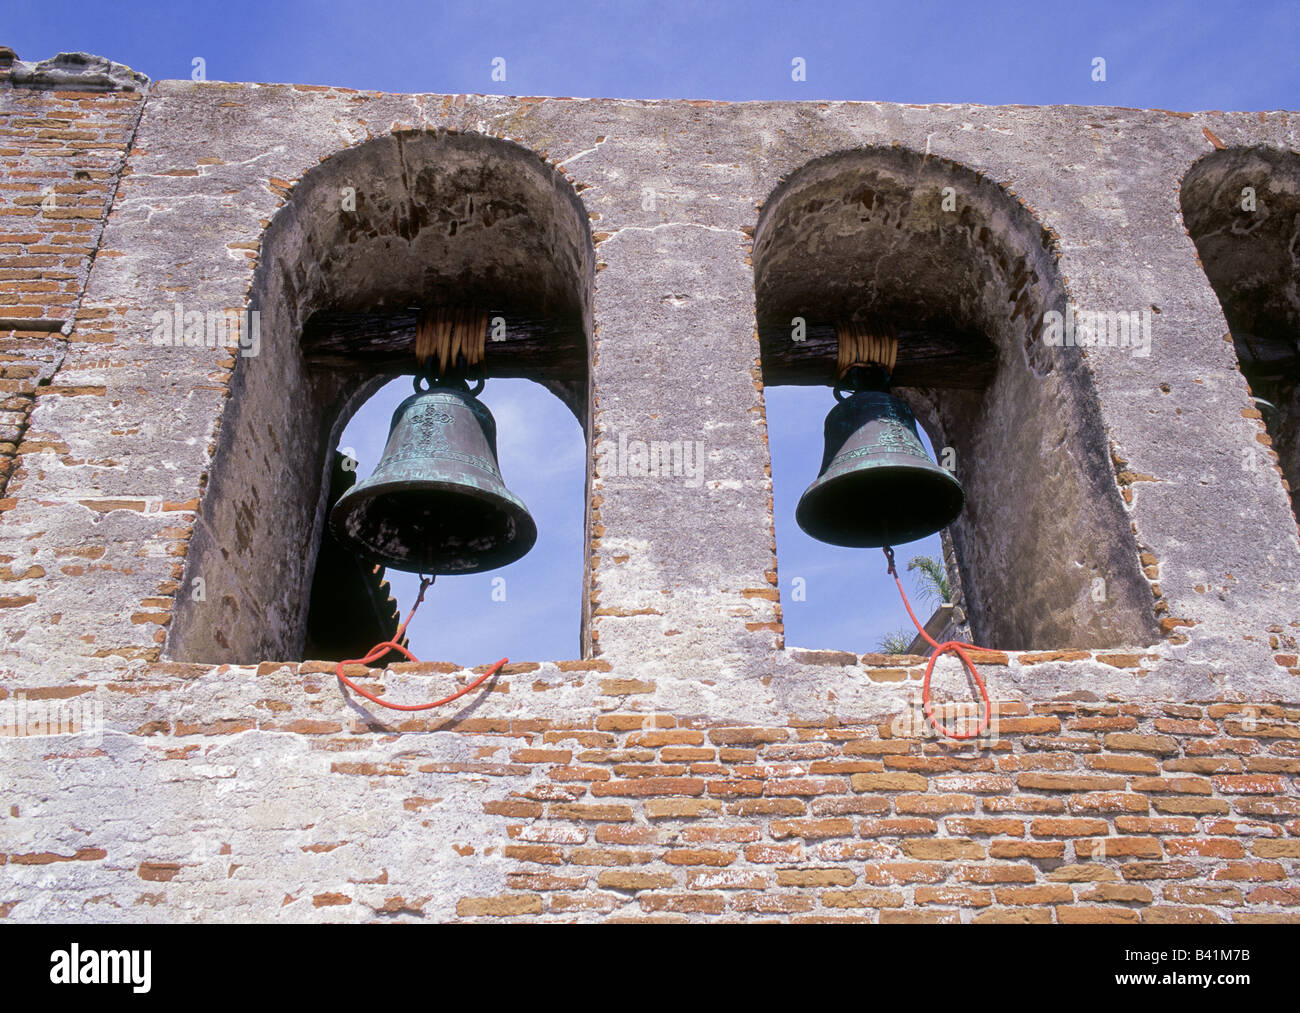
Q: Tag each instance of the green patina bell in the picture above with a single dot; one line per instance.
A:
(436, 503)
(877, 484)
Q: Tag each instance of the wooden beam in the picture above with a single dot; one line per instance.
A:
(550, 349)
(943, 359)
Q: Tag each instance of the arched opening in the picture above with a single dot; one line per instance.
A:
(1241, 207)
(365, 241)
(1042, 554)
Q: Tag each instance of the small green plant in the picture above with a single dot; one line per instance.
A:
(932, 583)
(895, 643)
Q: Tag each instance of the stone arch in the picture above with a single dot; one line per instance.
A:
(1043, 554)
(364, 240)
(1241, 206)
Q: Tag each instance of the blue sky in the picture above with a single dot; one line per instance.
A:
(1165, 55)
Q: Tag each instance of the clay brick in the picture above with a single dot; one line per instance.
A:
(899, 873)
(1203, 765)
(953, 896)
(544, 881)
(1068, 827)
(1083, 914)
(1123, 764)
(514, 809)
(1173, 914)
(1026, 849)
(696, 903)
(685, 754)
(726, 879)
(934, 804)
(1249, 784)
(681, 808)
(643, 786)
(860, 804)
(622, 879)
(1181, 893)
(862, 898)
(1289, 895)
(601, 813)
(747, 736)
(699, 856)
(1160, 870)
(767, 807)
(1156, 825)
(973, 826)
(978, 783)
(541, 833)
(806, 786)
(772, 903)
(541, 854)
(1068, 782)
(774, 853)
(1014, 896)
(668, 737)
(720, 835)
(1205, 847)
(855, 851)
(1172, 785)
(1253, 872)
(1276, 849)
(889, 782)
(942, 849)
(1190, 805)
(815, 877)
(896, 827)
(505, 905)
(1024, 804)
(1116, 847)
(1119, 893)
(995, 874)
(1041, 725)
(624, 833)
(780, 829)
(930, 916)
(1160, 744)
(605, 856)
(1108, 802)
(1014, 916)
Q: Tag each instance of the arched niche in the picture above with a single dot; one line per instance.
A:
(1043, 553)
(365, 239)
(1241, 207)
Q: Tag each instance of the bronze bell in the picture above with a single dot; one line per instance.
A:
(436, 503)
(877, 484)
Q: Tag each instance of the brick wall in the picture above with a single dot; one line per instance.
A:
(696, 768)
(61, 155)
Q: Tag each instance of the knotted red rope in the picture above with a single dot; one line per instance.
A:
(957, 646)
(379, 650)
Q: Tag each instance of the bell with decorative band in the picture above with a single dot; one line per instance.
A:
(877, 485)
(436, 503)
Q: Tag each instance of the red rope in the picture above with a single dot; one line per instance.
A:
(379, 650)
(957, 646)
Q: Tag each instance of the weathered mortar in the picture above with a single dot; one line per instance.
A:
(698, 739)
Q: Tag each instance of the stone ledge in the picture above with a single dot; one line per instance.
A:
(71, 72)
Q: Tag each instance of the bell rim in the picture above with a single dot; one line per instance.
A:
(509, 553)
(941, 483)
